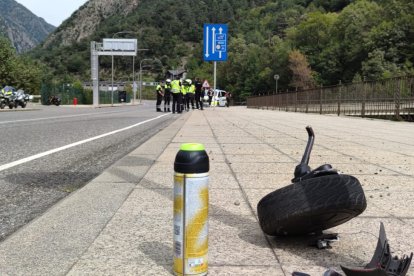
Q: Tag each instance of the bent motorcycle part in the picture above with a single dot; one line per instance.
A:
(382, 263)
(302, 170)
(316, 200)
(324, 240)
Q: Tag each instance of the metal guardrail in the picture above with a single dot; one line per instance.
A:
(375, 98)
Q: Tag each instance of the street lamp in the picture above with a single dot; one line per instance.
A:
(134, 89)
(140, 74)
(276, 77)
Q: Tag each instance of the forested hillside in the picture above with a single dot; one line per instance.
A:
(340, 42)
(19, 71)
(306, 42)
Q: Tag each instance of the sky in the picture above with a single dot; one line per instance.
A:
(53, 11)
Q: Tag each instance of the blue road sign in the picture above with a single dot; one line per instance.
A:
(215, 42)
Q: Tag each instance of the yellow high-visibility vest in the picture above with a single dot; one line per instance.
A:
(192, 89)
(184, 89)
(175, 86)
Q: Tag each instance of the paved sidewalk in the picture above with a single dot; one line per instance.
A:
(121, 222)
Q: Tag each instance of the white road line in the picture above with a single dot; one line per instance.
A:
(39, 155)
(59, 117)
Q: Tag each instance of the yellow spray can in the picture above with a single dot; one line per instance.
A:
(191, 168)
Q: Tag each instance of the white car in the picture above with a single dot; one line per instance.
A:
(219, 98)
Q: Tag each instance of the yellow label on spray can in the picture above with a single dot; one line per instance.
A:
(190, 224)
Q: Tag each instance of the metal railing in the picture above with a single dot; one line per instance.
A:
(374, 98)
(83, 96)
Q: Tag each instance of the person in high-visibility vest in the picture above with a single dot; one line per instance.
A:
(167, 95)
(190, 94)
(7, 91)
(160, 95)
(177, 96)
(184, 90)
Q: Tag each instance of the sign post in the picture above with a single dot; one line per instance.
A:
(215, 45)
(109, 47)
(276, 77)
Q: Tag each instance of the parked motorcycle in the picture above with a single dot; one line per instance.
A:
(20, 99)
(55, 100)
(2, 101)
(9, 96)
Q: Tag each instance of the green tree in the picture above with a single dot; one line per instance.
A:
(313, 38)
(28, 75)
(352, 32)
(376, 67)
(19, 71)
(7, 62)
(394, 36)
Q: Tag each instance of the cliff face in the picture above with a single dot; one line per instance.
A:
(24, 29)
(84, 22)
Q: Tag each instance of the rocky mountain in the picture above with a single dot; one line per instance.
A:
(84, 22)
(24, 29)
(169, 29)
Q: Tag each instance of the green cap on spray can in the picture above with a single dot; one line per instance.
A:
(192, 158)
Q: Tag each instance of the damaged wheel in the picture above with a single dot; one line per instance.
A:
(316, 200)
(311, 206)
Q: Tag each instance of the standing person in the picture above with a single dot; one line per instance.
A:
(177, 96)
(198, 93)
(210, 96)
(228, 98)
(160, 95)
(184, 90)
(190, 94)
(167, 95)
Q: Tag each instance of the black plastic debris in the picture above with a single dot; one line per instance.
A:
(382, 263)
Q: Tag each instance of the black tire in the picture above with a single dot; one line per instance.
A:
(11, 106)
(2, 105)
(23, 105)
(311, 206)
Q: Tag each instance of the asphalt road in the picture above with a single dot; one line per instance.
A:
(32, 178)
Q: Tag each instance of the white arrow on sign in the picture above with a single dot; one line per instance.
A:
(207, 31)
(213, 50)
(220, 31)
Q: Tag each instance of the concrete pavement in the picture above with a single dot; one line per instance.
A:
(121, 222)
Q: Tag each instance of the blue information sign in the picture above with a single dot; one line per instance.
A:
(215, 42)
